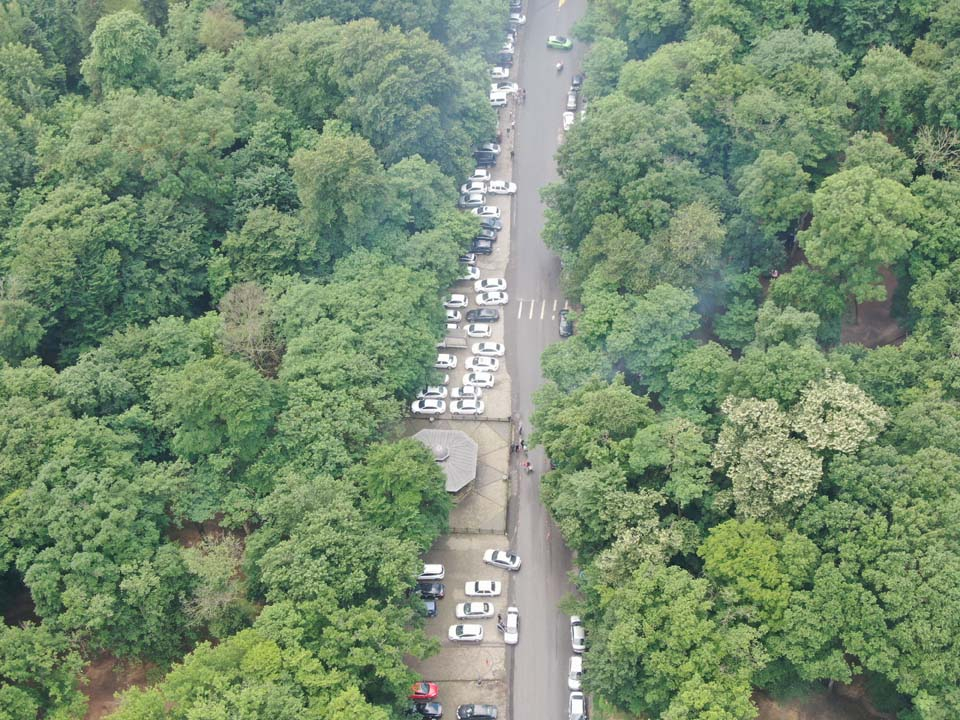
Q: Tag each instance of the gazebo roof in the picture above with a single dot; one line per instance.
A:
(456, 453)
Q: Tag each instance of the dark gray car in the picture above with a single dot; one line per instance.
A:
(477, 712)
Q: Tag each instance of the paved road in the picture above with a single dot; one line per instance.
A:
(538, 686)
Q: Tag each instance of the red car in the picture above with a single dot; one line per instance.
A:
(424, 691)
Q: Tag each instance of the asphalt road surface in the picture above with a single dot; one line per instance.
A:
(538, 684)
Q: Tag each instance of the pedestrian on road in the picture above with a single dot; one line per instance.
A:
(520, 429)
(523, 445)
(499, 619)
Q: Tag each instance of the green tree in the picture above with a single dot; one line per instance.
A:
(699, 379)
(123, 53)
(888, 89)
(38, 674)
(673, 458)
(836, 415)
(573, 363)
(777, 325)
(602, 66)
(773, 189)
(20, 329)
(875, 150)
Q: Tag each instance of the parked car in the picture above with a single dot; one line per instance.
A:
(568, 119)
(487, 211)
(473, 200)
(428, 709)
(498, 99)
(477, 712)
(482, 364)
(446, 361)
(489, 285)
(518, 18)
(491, 223)
(429, 406)
(466, 391)
(578, 634)
(483, 315)
(468, 259)
(470, 272)
(490, 147)
(559, 42)
(473, 186)
(577, 706)
(453, 316)
(482, 588)
(502, 559)
(505, 59)
(485, 159)
(476, 330)
(571, 101)
(424, 691)
(577, 82)
(511, 631)
(430, 608)
(432, 572)
(474, 610)
(465, 633)
(467, 407)
(490, 349)
(493, 298)
(481, 175)
(456, 300)
(575, 673)
(431, 590)
(482, 247)
(479, 379)
(501, 187)
(432, 392)
(486, 234)
(566, 324)
(499, 73)
(505, 87)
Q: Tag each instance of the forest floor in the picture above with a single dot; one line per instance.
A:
(875, 324)
(107, 676)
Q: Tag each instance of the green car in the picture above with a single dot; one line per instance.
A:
(558, 42)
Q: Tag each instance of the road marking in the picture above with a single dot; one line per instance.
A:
(542, 309)
(553, 313)
(519, 309)
(533, 304)
(566, 304)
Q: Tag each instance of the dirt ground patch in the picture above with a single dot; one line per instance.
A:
(875, 325)
(824, 706)
(107, 676)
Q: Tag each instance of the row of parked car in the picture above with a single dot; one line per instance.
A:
(577, 703)
(426, 704)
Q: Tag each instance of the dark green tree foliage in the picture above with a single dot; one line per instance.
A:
(123, 53)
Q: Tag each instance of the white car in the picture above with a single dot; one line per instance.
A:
(453, 316)
(457, 300)
(568, 119)
(578, 634)
(473, 186)
(452, 326)
(466, 407)
(578, 707)
(482, 588)
(480, 175)
(511, 628)
(489, 349)
(518, 18)
(466, 633)
(492, 298)
(489, 285)
(446, 361)
(482, 364)
(470, 272)
(499, 73)
(467, 392)
(474, 610)
(502, 559)
(505, 87)
(432, 392)
(429, 406)
(498, 99)
(487, 211)
(478, 379)
(479, 330)
(431, 572)
(575, 674)
(502, 187)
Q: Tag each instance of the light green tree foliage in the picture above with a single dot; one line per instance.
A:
(687, 252)
(809, 291)
(20, 329)
(123, 53)
(771, 472)
(573, 363)
(602, 66)
(26, 80)
(773, 189)
(610, 256)
(656, 649)
(642, 24)
(420, 192)
(936, 245)
(219, 28)
(342, 187)
(929, 420)
(673, 457)
(403, 488)
(699, 380)
(653, 332)
(593, 425)
(471, 25)
(38, 674)
(271, 243)
(777, 325)
(861, 221)
(888, 89)
(218, 601)
(747, 18)
(779, 372)
(836, 415)
(875, 150)
(735, 327)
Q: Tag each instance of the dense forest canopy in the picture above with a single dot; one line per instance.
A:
(224, 229)
(753, 502)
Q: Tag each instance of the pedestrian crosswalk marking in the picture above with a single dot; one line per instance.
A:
(530, 305)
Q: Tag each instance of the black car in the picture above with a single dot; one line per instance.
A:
(576, 83)
(486, 234)
(481, 246)
(477, 712)
(483, 315)
(491, 224)
(428, 709)
(485, 159)
(430, 590)
(505, 59)
(566, 325)
(430, 608)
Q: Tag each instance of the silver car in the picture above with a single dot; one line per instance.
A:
(578, 706)
(578, 634)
